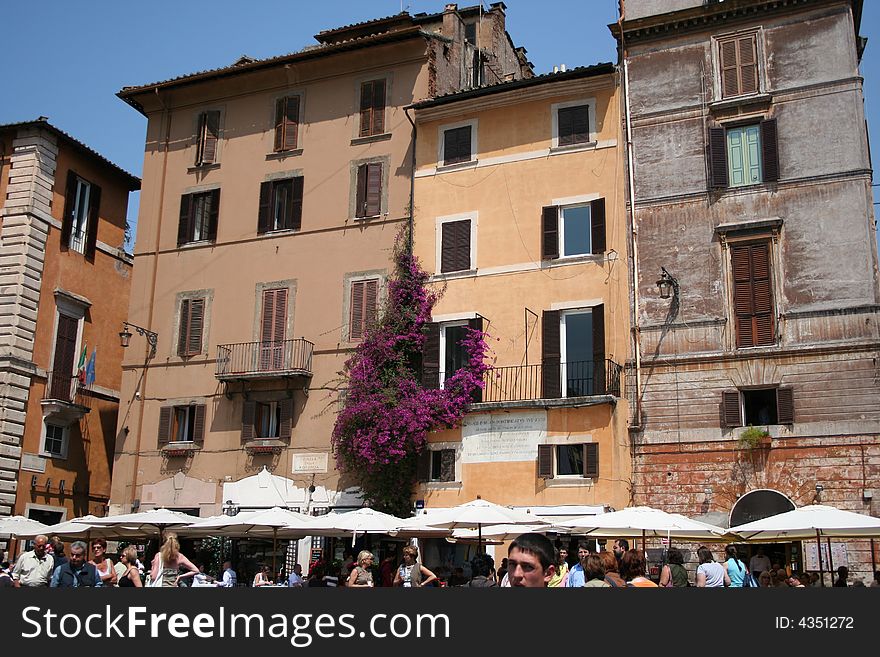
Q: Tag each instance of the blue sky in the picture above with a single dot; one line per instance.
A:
(75, 56)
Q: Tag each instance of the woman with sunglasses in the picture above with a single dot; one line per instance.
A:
(102, 563)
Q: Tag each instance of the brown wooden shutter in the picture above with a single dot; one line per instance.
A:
(285, 407)
(476, 324)
(423, 466)
(264, 217)
(545, 461)
(279, 331)
(165, 414)
(360, 209)
(729, 69)
(248, 415)
(374, 189)
(378, 107)
(752, 295)
(92, 228)
(291, 122)
(769, 151)
(455, 247)
(551, 355)
(565, 117)
(597, 225)
(457, 145)
(356, 316)
(296, 203)
(740, 259)
(209, 130)
(591, 460)
(268, 320)
(598, 317)
(65, 354)
(573, 125)
(69, 206)
(183, 328)
(184, 227)
(718, 176)
(785, 405)
(213, 213)
(196, 322)
(280, 115)
(198, 436)
(431, 356)
(366, 108)
(371, 303)
(747, 50)
(550, 232)
(763, 296)
(447, 465)
(730, 408)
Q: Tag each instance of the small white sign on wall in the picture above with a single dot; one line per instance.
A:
(310, 463)
(488, 438)
(33, 463)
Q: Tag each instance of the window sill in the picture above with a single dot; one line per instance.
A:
(562, 261)
(368, 218)
(200, 168)
(443, 485)
(574, 148)
(192, 245)
(280, 232)
(180, 449)
(458, 166)
(283, 155)
(369, 139)
(740, 101)
(452, 275)
(573, 482)
(49, 455)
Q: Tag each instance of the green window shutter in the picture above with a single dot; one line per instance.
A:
(736, 156)
(753, 153)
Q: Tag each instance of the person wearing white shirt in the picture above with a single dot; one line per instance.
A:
(759, 563)
(230, 579)
(295, 578)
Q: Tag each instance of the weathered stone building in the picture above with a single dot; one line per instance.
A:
(753, 207)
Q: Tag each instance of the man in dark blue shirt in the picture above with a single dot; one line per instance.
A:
(76, 572)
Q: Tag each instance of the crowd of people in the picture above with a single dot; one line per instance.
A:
(533, 561)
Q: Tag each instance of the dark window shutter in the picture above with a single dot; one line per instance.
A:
(591, 460)
(550, 232)
(597, 225)
(196, 322)
(747, 51)
(729, 69)
(573, 125)
(280, 320)
(371, 303)
(785, 405)
(457, 145)
(476, 324)
(366, 108)
(213, 213)
(423, 466)
(356, 324)
(65, 353)
(763, 296)
(378, 107)
(742, 295)
(565, 117)
(286, 418)
(447, 465)
(598, 317)
(165, 414)
(264, 218)
(92, 229)
(183, 329)
(184, 231)
(545, 461)
(209, 131)
(551, 354)
(373, 201)
(199, 423)
(360, 209)
(69, 205)
(291, 123)
(769, 151)
(718, 176)
(431, 356)
(752, 295)
(455, 246)
(296, 204)
(280, 114)
(248, 414)
(730, 411)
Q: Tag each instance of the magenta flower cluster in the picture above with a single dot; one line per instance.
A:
(386, 414)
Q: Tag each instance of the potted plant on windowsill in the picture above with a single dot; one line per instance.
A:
(755, 437)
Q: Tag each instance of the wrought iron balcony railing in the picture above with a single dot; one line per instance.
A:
(264, 360)
(551, 380)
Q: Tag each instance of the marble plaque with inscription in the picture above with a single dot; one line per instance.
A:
(310, 463)
(33, 463)
(488, 438)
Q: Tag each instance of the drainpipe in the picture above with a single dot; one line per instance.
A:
(412, 179)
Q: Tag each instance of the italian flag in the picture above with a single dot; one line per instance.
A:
(81, 367)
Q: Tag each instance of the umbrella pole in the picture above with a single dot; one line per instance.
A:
(274, 552)
(819, 552)
(873, 560)
(479, 538)
(830, 562)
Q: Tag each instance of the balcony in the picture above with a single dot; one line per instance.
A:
(264, 360)
(552, 381)
(65, 399)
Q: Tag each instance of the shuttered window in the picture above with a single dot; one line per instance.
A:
(739, 65)
(743, 155)
(752, 295)
(568, 461)
(573, 230)
(273, 329)
(191, 327)
(182, 424)
(79, 224)
(62, 362)
(731, 411)
(457, 145)
(369, 190)
(442, 465)
(198, 217)
(364, 304)
(281, 203)
(455, 246)
(209, 133)
(286, 123)
(372, 108)
(574, 125)
(267, 419)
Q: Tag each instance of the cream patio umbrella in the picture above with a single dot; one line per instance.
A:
(147, 522)
(360, 521)
(15, 526)
(644, 522)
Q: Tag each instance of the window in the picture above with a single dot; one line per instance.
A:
(55, 444)
(757, 407)
(457, 145)
(79, 226)
(280, 205)
(577, 461)
(372, 108)
(455, 246)
(66, 341)
(738, 58)
(470, 33)
(452, 353)
(198, 217)
(752, 294)
(364, 301)
(267, 419)
(182, 424)
(443, 353)
(369, 190)
(191, 327)
(286, 123)
(573, 353)
(209, 131)
(743, 155)
(436, 465)
(573, 230)
(270, 419)
(273, 330)
(574, 125)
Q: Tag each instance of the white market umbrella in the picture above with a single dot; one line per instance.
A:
(21, 526)
(644, 522)
(808, 522)
(83, 527)
(361, 521)
(500, 532)
(152, 520)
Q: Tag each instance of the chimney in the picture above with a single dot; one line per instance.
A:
(452, 24)
(498, 9)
